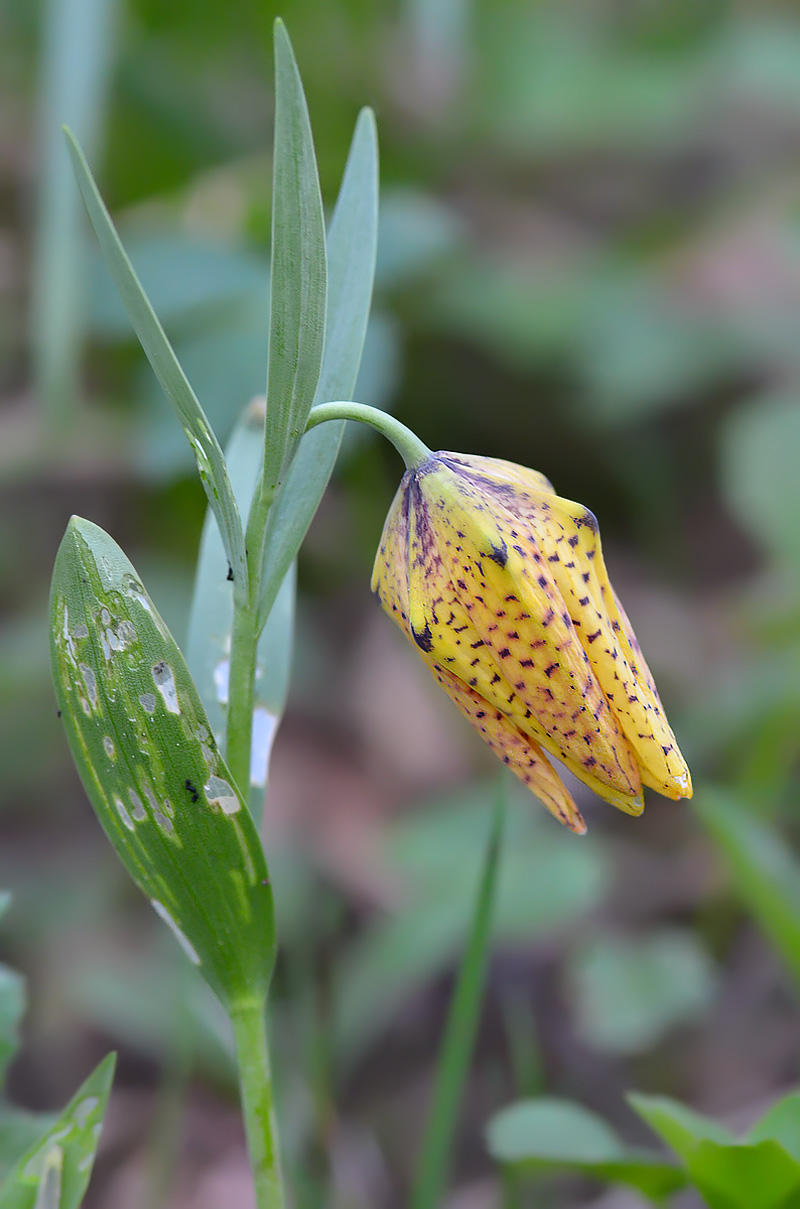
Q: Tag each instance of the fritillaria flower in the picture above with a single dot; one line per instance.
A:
(501, 584)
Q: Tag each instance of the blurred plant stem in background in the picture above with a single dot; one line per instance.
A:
(77, 54)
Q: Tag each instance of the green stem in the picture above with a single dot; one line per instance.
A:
(244, 646)
(408, 445)
(241, 689)
(252, 1055)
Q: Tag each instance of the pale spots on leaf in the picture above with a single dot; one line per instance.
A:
(108, 745)
(220, 793)
(164, 823)
(165, 683)
(148, 702)
(69, 645)
(84, 1110)
(139, 813)
(90, 681)
(123, 813)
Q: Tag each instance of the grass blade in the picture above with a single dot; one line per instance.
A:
(352, 245)
(208, 455)
(460, 1032)
(765, 873)
(298, 283)
(78, 42)
(211, 619)
(151, 769)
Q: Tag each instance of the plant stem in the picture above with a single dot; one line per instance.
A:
(252, 1055)
(407, 443)
(241, 688)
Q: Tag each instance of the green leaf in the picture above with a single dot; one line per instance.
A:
(549, 1134)
(460, 1032)
(55, 1171)
(730, 1173)
(298, 274)
(742, 1176)
(759, 471)
(191, 283)
(765, 873)
(351, 243)
(211, 619)
(208, 455)
(19, 1131)
(629, 993)
(781, 1123)
(151, 768)
(679, 1126)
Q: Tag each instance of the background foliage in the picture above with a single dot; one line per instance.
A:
(589, 261)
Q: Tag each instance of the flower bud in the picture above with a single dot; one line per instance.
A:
(502, 586)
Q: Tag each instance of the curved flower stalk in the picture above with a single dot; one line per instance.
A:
(502, 586)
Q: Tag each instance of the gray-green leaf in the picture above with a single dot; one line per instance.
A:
(208, 455)
(547, 1133)
(298, 281)
(352, 245)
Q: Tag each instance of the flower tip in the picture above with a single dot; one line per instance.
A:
(683, 785)
(628, 805)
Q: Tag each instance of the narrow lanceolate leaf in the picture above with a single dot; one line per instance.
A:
(298, 272)
(764, 871)
(211, 617)
(460, 1031)
(151, 766)
(55, 1171)
(352, 244)
(160, 354)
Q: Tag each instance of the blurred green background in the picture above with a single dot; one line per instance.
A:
(589, 262)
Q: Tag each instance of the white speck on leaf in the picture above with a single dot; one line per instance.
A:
(148, 702)
(108, 744)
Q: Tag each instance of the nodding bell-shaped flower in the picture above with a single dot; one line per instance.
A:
(502, 586)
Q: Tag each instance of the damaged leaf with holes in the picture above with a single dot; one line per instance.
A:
(150, 764)
(55, 1170)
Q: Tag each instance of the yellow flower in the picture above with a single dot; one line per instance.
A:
(502, 586)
